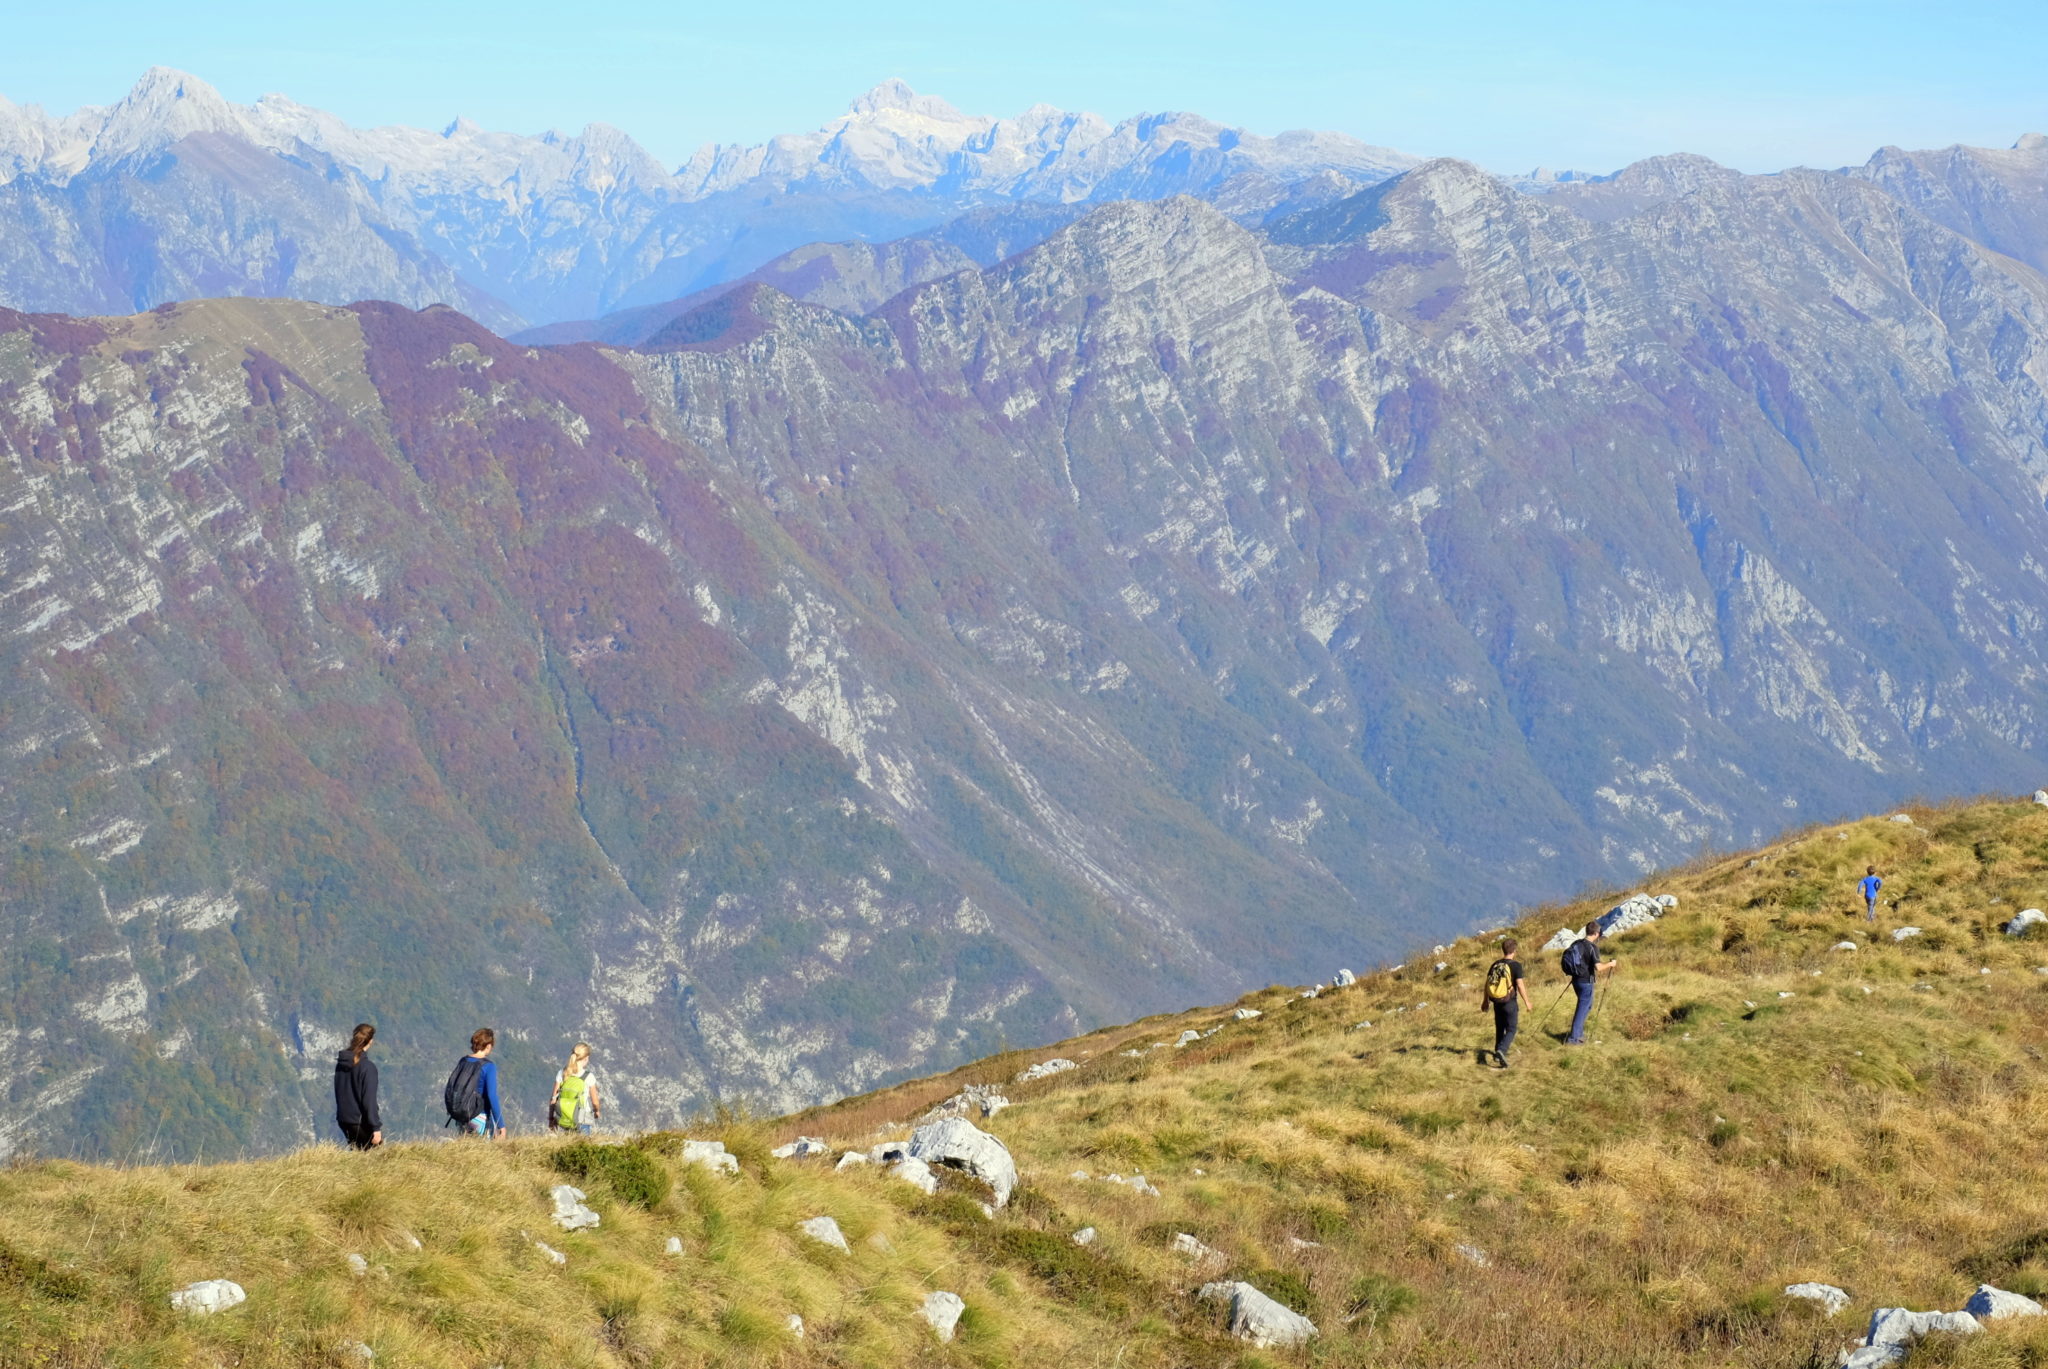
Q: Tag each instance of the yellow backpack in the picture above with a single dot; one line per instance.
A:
(1500, 982)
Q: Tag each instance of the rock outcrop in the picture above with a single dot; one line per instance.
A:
(957, 1142)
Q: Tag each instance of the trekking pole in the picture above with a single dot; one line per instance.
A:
(1545, 1025)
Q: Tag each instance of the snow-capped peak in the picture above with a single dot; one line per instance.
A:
(895, 93)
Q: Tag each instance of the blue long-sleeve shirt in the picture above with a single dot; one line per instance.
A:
(487, 1084)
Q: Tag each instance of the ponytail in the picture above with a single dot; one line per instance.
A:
(360, 1041)
(577, 1057)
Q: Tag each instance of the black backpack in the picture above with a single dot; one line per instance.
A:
(464, 1094)
(1574, 962)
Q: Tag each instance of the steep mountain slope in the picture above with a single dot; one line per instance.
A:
(1761, 1107)
(359, 661)
(175, 193)
(1576, 543)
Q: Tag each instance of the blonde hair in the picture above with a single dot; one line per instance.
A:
(579, 1056)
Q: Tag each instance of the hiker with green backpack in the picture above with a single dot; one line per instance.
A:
(1506, 994)
(576, 1104)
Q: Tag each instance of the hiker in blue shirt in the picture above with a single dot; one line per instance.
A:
(471, 1094)
(1870, 884)
(1583, 965)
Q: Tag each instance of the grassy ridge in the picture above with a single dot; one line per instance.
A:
(1640, 1202)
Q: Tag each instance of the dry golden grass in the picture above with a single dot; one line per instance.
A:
(1640, 1202)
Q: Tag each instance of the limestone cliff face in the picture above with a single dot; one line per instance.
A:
(820, 696)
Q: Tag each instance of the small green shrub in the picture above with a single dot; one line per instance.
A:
(1377, 1298)
(633, 1175)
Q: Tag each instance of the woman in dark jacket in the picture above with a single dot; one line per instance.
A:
(355, 1092)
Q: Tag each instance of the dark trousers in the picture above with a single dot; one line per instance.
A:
(1584, 989)
(357, 1134)
(1507, 1019)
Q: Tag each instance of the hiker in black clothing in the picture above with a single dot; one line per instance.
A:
(1505, 994)
(355, 1091)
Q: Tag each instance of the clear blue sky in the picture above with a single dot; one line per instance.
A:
(1592, 84)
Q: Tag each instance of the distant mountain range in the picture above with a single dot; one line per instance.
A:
(1066, 612)
(175, 193)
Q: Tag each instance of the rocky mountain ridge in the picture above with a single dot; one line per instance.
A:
(175, 192)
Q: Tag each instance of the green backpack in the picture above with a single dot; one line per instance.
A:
(569, 1100)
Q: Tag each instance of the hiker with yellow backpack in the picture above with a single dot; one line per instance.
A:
(1505, 993)
(576, 1104)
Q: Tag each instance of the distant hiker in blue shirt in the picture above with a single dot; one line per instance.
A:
(1582, 965)
(1870, 884)
(471, 1094)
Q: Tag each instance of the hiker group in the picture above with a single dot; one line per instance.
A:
(1506, 993)
(470, 1096)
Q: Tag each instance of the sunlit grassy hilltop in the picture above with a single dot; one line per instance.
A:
(1759, 1109)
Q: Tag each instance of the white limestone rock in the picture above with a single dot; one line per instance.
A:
(1258, 1319)
(1873, 1357)
(355, 1350)
(358, 1266)
(1902, 1327)
(1902, 819)
(943, 1311)
(1667, 901)
(1345, 979)
(1087, 1235)
(1829, 1298)
(1843, 946)
(712, 1155)
(796, 1326)
(1995, 1304)
(554, 1256)
(799, 1148)
(2027, 917)
(1564, 938)
(825, 1231)
(853, 1159)
(570, 1212)
(888, 1152)
(1188, 1037)
(1473, 1255)
(1632, 912)
(1904, 933)
(208, 1296)
(1195, 1252)
(1137, 1183)
(916, 1173)
(1246, 1014)
(674, 1246)
(958, 1142)
(1057, 1065)
(2041, 797)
